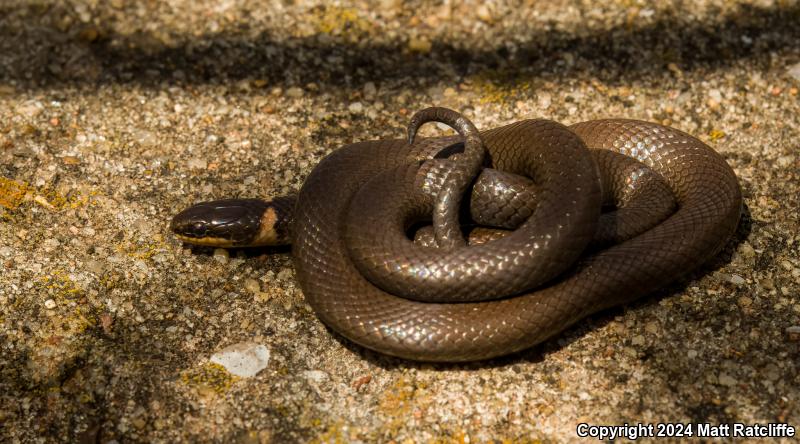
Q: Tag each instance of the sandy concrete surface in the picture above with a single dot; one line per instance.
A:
(115, 114)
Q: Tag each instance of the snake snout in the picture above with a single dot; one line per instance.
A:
(190, 223)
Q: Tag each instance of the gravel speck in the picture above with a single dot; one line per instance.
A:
(419, 44)
(145, 138)
(51, 244)
(356, 107)
(727, 380)
(544, 100)
(370, 90)
(484, 13)
(30, 109)
(793, 332)
(785, 161)
(772, 372)
(294, 92)
(317, 376)
(735, 279)
(252, 285)
(747, 250)
(197, 163)
(95, 266)
(794, 71)
(221, 255)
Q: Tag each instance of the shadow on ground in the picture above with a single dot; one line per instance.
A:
(47, 56)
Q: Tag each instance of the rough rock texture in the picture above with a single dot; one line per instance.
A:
(115, 114)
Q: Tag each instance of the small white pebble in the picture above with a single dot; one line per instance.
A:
(244, 359)
(50, 304)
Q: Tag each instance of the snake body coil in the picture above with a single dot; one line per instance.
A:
(498, 291)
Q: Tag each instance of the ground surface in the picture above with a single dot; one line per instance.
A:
(115, 114)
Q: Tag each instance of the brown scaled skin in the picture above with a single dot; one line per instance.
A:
(708, 206)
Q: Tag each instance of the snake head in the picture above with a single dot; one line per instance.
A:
(231, 223)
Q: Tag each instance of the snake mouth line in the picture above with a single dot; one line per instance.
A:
(208, 241)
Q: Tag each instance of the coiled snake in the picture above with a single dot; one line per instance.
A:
(561, 222)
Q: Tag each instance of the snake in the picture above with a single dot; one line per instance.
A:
(476, 245)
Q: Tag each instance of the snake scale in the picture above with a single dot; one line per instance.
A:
(535, 225)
